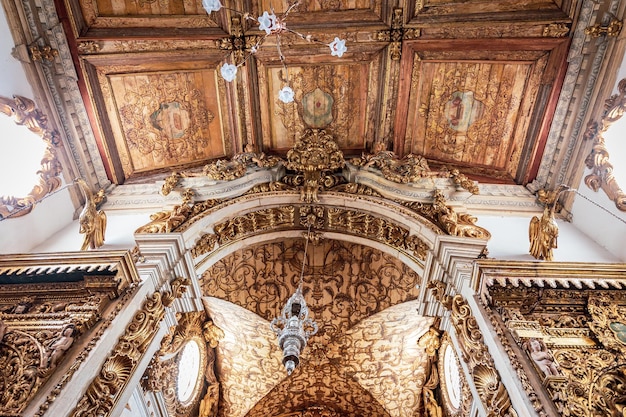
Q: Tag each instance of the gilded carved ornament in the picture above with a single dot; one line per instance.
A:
(396, 34)
(611, 28)
(598, 159)
(93, 222)
(316, 155)
(238, 166)
(104, 391)
(24, 113)
(475, 353)
(543, 231)
(410, 169)
(38, 328)
(162, 374)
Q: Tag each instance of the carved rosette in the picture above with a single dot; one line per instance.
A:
(598, 159)
(24, 113)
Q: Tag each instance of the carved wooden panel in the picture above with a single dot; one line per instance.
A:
(339, 96)
(163, 116)
(475, 103)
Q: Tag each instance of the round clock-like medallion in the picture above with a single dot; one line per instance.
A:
(452, 377)
(189, 372)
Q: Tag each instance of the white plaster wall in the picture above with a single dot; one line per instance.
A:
(119, 234)
(13, 80)
(510, 241)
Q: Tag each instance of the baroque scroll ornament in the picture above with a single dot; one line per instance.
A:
(272, 25)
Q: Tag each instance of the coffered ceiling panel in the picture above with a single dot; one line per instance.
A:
(471, 85)
(336, 95)
(475, 107)
(163, 116)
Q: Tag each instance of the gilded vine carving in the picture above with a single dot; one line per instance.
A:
(238, 165)
(475, 354)
(446, 218)
(24, 113)
(103, 392)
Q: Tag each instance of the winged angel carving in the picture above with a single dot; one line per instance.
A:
(543, 234)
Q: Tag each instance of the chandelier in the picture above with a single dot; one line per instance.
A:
(294, 327)
(272, 25)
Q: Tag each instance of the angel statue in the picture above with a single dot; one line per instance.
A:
(93, 222)
(543, 234)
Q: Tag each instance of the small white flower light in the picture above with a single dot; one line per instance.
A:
(211, 5)
(229, 72)
(268, 22)
(286, 94)
(338, 47)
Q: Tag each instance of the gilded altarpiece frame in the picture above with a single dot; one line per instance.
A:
(53, 313)
(563, 331)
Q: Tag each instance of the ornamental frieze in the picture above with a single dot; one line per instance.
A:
(352, 222)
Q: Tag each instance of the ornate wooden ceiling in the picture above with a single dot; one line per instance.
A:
(470, 84)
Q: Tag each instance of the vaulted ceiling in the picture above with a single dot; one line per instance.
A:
(467, 84)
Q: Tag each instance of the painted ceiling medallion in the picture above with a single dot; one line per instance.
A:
(272, 25)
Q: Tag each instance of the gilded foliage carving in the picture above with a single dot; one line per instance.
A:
(169, 220)
(164, 117)
(410, 169)
(447, 219)
(475, 353)
(332, 219)
(38, 328)
(162, 372)
(315, 155)
(238, 165)
(23, 112)
(598, 159)
(103, 392)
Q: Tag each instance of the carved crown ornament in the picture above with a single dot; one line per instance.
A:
(23, 112)
(601, 176)
(316, 165)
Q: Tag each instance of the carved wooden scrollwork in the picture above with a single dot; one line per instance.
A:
(475, 354)
(598, 159)
(24, 113)
(104, 391)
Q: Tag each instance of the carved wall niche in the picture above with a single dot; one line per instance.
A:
(455, 393)
(24, 113)
(571, 340)
(52, 311)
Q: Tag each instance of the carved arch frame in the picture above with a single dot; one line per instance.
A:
(601, 176)
(24, 113)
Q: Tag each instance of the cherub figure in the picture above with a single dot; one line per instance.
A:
(61, 345)
(542, 358)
